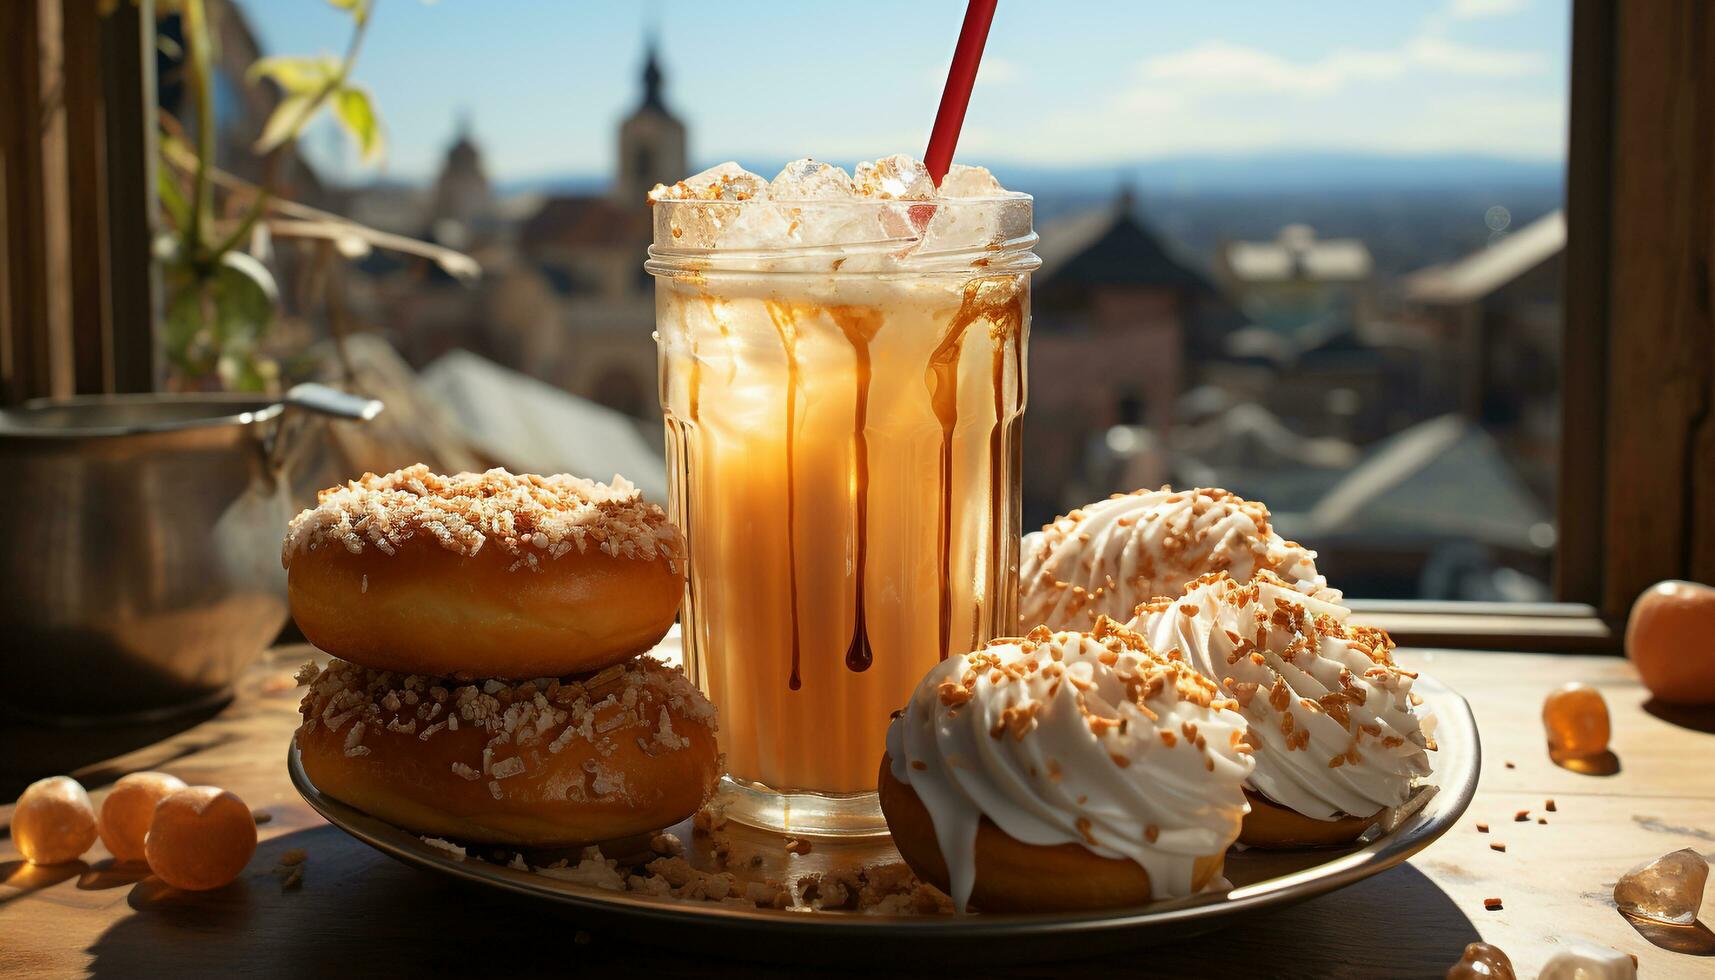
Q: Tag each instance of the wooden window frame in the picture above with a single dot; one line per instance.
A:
(78, 309)
(1637, 457)
(1637, 460)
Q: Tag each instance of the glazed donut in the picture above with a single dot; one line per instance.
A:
(1065, 771)
(544, 763)
(1270, 825)
(1018, 877)
(1107, 558)
(483, 575)
(1338, 732)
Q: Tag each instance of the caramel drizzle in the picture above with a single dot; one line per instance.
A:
(859, 325)
(942, 379)
(1006, 326)
(1006, 322)
(785, 325)
(1007, 610)
(695, 381)
(997, 445)
(679, 444)
(682, 506)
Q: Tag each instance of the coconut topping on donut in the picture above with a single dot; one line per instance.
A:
(523, 721)
(1086, 738)
(533, 518)
(1337, 727)
(1105, 559)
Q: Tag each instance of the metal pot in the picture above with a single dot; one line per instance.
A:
(141, 572)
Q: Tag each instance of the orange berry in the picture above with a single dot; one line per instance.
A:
(1576, 719)
(53, 822)
(1669, 638)
(200, 838)
(128, 809)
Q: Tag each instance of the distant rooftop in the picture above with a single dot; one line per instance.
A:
(1110, 246)
(1442, 478)
(1484, 271)
(530, 426)
(585, 221)
(1296, 253)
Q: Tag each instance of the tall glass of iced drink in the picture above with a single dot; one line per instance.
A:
(842, 375)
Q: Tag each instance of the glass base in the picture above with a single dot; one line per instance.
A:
(810, 814)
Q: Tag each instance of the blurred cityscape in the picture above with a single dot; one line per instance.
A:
(1373, 352)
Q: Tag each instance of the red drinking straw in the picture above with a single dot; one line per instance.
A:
(956, 97)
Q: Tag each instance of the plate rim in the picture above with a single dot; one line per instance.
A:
(1455, 788)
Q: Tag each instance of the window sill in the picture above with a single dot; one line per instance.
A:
(1531, 627)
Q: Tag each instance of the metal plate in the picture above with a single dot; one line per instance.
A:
(1261, 879)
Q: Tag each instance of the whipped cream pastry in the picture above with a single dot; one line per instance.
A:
(1086, 738)
(1336, 725)
(1107, 558)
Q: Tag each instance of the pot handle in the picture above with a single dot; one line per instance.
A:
(323, 400)
(314, 399)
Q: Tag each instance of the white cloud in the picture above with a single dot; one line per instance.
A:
(992, 71)
(1135, 126)
(1440, 54)
(1424, 94)
(1502, 125)
(1473, 9)
(997, 71)
(1221, 66)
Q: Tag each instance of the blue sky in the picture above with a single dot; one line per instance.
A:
(1064, 82)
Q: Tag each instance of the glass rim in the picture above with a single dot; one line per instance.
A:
(882, 247)
(902, 259)
(1005, 197)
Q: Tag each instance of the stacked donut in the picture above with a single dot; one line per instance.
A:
(488, 684)
(1092, 764)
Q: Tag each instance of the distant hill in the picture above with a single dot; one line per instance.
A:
(1277, 170)
(1412, 211)
(1286, 171)
(553, 184)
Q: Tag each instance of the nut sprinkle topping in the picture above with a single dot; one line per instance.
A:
(531, 518)
(1339, 723)
(1110, 556)
(879, 889)
(521, 724)
(1089, 738)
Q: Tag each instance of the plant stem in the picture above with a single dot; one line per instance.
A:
(333, 293)
(259, 205)
(303, 221)
(199, 71)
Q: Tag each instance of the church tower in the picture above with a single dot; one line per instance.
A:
(651, 141)
(462, 192)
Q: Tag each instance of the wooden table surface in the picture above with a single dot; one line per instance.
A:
(359, 912)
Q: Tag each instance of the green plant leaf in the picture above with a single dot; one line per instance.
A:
(241, 368)
(173, 199)
(359, 8)
(290, 117)
(245, 296)
(215, 321)
(357, 113)
(186, 336)
(295, 75)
